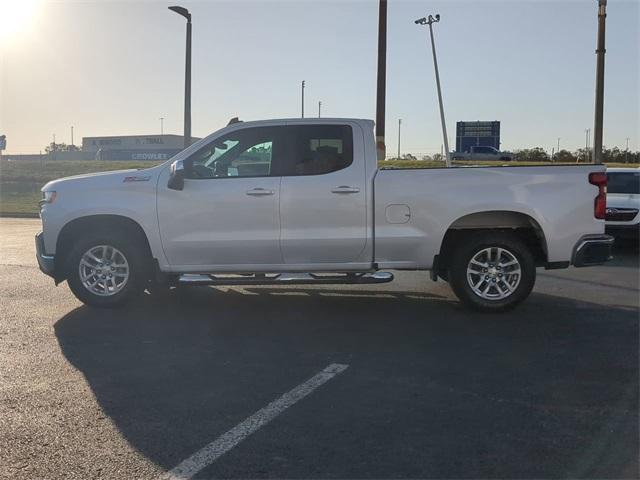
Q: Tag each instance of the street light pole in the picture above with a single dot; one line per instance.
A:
(161, 126)
(430, 21)
(187, 76)
(599, 110)
(71, 134)
(319, 109)
(586, 146)
(302, 98)
(399, 126)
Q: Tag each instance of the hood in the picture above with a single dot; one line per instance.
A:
(113, 177)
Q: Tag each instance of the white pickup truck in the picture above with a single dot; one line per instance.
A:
(303, 201)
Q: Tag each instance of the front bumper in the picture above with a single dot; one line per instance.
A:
(46, 262)
(592, 250)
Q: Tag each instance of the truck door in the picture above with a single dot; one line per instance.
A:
(323, 209)
(227, 213)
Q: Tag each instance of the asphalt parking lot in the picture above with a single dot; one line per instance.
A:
(426, 388)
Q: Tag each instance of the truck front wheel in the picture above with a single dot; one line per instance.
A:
(492, 271)
(105, 270)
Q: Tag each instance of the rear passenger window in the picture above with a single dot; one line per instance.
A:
(319, 149)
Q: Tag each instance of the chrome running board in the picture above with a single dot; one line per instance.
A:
(285, 279)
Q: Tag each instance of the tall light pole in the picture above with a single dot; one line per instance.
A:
(381, 84)
(187, 76)
(71, 134)
(586, 146)
(558, 150)
(626, 152)
(399, 127)
(302, 98)
(161, 126)
(319, 109)
(430, 21)
(599, 110)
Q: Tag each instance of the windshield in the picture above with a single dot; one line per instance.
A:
(623, 182)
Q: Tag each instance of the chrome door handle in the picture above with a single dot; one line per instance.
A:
(345, 189)
(259, 192)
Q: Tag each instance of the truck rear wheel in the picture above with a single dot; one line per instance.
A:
(492, 271)
(106, 270)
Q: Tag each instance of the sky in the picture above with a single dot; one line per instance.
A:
(115, 68)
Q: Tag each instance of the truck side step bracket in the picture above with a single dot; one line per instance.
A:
(286, 279)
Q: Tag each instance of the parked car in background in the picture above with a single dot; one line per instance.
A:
(483, 153)
(623, 202)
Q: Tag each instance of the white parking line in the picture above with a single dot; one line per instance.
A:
(211, 452)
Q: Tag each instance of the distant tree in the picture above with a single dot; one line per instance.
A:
(583, 155)
(408, 156)
(426, 158)
(536, 154)
(438, 157)
(615, 155)
(60, 147)
(564, 156)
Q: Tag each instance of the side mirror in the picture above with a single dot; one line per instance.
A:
(176, 177)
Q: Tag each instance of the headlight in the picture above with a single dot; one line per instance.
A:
(48, 197)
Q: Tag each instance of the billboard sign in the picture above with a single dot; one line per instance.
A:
(471, 134)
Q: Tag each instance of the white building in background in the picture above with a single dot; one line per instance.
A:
(133, 147)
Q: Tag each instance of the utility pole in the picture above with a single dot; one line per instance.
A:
(599, 110)
(626, 152)
(319, 109)
(161, 126)
(381, 89)
(431, 20)
(302, 98)
(71, 134)
(399, 126)
(187, 76)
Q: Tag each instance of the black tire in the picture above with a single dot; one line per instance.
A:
(136, 256)
(471, 246)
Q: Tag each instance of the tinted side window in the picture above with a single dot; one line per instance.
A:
(250, 152)
(318, 149)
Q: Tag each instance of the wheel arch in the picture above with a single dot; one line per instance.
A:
(523, 225)
(92, 223)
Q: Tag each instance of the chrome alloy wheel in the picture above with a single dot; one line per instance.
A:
(104, 270)
(494, 273)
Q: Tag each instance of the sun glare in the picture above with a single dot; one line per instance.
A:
(16, 18)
